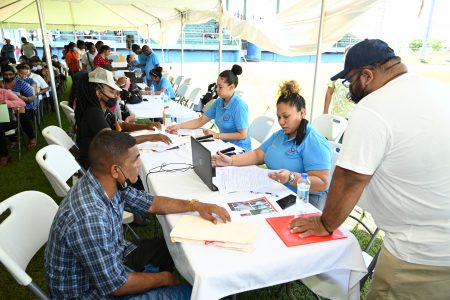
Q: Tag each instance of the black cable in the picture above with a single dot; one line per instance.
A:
(161, 168)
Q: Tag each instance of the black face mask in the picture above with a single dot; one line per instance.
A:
(111, 102)
(356, 96)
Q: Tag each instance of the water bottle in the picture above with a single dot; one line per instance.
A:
(165, 97)
(167, 117)
(303, 185)
(152, 90)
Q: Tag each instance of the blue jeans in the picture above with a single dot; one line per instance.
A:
(177, 292)
(318, 200)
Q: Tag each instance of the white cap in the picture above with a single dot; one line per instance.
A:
(101, 75)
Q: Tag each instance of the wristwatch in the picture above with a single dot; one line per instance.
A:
(291, 177)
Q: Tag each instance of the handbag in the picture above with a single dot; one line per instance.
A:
(132, 96)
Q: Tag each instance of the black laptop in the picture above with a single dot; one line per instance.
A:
(201, 161)
(133, 78)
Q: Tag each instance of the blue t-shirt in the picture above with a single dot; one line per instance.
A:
(150, 64)
(231, 118)
(24, 89)
(313, 153)
(164, 83)
(142, 60)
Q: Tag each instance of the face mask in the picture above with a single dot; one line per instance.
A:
(39, 67)
(126, 185)
(35, 68)
(111, 102)
(54, 59)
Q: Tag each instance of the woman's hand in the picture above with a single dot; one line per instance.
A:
(173, 128)
(208, 131)
(282, 176)
(159, 138)
(207, 212)
(153, 125)
(221, 160)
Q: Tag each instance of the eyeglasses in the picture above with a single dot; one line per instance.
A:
(347, 80)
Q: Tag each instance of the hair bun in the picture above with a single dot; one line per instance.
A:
(236, 69)
(289, 87)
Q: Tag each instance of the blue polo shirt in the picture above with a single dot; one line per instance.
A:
(165, 83)
(150, 64)
(24, 89)
(231, 118)
(142, 60)
(312, 154)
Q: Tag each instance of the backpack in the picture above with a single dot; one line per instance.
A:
(210, 94)
(132, 96)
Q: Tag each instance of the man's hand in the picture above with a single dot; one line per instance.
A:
(171, 278)
(159, 138)
(308, 226)
(153, 125)
(207, 210)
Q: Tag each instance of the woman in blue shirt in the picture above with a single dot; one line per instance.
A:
(296, 148)
(229, 111)
(161, 83)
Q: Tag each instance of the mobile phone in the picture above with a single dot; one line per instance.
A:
(287, 201)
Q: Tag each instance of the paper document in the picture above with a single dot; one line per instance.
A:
(236, 235)
(141, 85)
(242, 179)
(191, 132)
(161, 146)
(252, 207)
(4, 113)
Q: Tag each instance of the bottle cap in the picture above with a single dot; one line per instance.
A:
(304, 175)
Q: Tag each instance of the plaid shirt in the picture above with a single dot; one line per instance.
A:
(85, 250)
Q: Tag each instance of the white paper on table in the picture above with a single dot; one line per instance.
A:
(161, 146)
(191, 132)
(142, 85)
(242, 179)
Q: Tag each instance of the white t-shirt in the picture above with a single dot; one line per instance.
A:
(84, 60)
(400, 134)
(40, 82)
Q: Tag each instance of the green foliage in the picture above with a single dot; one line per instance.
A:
(436, 45)
(416, 44)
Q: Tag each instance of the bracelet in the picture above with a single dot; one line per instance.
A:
(330, 232)
(192, 204)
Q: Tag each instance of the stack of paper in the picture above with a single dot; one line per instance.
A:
(242, 179)
(160, 146)
(236, 235)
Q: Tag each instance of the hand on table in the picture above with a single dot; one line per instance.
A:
(221, 160)
(173, 128)
(159, 138)
(207, 210)
(282, 176)
(208, 131)
(308, 226)
(153, 125)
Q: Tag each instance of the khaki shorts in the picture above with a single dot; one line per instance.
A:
(398, 279)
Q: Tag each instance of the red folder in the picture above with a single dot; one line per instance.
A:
(281, 227)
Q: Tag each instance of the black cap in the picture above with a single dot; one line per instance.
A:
(365, 53)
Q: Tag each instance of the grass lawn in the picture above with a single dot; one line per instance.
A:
(22, 175)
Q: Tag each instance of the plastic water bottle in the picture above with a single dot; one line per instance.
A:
(167, 117)
(303, 185)
(165, 97)
(152, 90)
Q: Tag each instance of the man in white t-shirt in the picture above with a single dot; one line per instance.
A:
(28, 49)
(396, 161)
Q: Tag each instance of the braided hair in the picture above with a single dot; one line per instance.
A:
(290, 94)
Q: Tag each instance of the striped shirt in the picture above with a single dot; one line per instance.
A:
(86, 250)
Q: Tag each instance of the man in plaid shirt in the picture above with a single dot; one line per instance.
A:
(86, 256)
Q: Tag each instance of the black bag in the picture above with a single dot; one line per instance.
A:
(211, 94)
(132, 96)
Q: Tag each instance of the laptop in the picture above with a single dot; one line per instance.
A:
(201, 161)
(133, 78)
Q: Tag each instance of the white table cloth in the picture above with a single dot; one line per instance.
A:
(215, 273)
(153, 106)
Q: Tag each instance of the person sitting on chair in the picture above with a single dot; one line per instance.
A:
(86, 255)
(296, 148)
(161, 82)
(229, 111)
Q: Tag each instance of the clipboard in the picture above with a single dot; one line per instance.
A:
(281, 226)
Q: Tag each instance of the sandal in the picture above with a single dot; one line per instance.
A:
(32, 143)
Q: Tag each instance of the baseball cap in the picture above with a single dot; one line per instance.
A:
(365, 53)
(101, 75)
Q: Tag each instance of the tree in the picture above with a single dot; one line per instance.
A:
(436, 45)
(416, 44)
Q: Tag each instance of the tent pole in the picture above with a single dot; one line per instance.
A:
(318, 52)
(182, 42)
(48, 57)
(220, 37)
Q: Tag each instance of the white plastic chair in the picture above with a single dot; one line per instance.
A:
(332, 127)
(58, 165)
(55, 135)
(24, 232)
(335, 149)
(69, 112)
(261, 128)
(193, 98)
(182, 93)
(177, 82)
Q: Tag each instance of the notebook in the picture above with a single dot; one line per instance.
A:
(201, 161)
(280, 225)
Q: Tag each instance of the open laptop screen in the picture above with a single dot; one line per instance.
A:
(201, 161)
